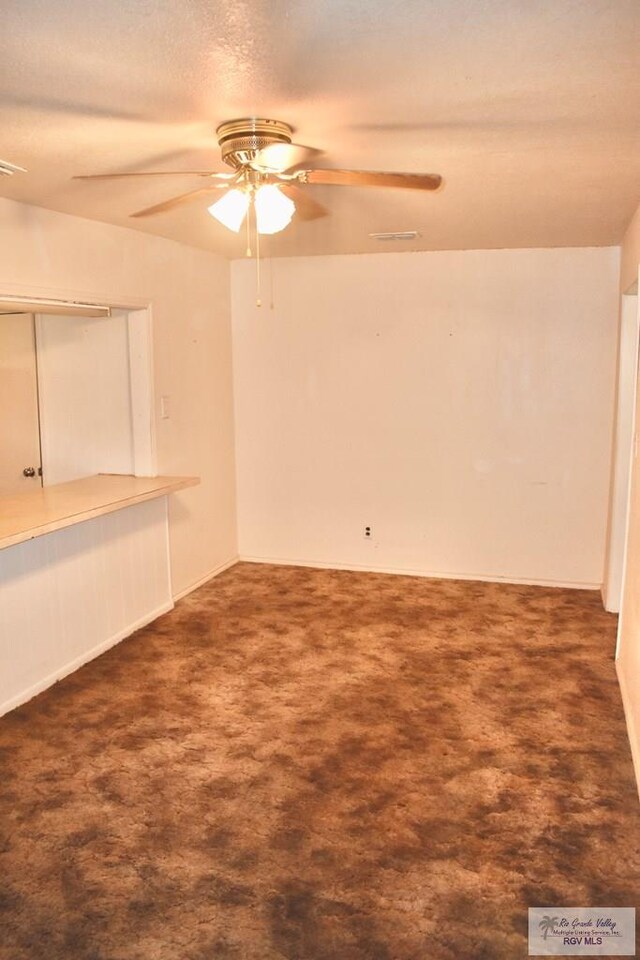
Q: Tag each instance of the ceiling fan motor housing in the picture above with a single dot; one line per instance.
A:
(240, 140)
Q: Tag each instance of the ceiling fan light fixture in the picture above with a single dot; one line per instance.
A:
(273, 210)
(270, 174)
(231, 209)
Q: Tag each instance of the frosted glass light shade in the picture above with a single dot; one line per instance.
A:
(231, 209)
(273, 209)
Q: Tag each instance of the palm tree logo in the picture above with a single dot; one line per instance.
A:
(547, 925)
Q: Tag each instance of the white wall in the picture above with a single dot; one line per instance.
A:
(459, 402)
(629, 626)
(52, 254)
(85, 397)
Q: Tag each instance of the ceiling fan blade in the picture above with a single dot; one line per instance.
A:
(306, 207)
(175, 201)
(156, 173)
(278, 157)
(371, 178)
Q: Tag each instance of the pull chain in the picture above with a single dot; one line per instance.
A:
(258, 297)
(271, 283)
(249, 231)
(252, 210)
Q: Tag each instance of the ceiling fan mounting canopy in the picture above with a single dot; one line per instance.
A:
(241, 140)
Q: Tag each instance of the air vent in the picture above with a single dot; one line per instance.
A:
(8, 169)
(398, 235)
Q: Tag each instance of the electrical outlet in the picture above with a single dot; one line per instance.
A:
(164, 408)
(368, 533)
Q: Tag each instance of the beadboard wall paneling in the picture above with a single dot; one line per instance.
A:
(68, 596)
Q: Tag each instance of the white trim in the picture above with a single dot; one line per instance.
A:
(141, 385)
(49, 307)
(85, 657)
(42, 398)
(427, 574)
(622, 453)
(209, 576)
(633, 734)
(25, 290)
(632, 467)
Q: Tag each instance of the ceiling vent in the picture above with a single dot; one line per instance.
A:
(8, 169)
(397, 235)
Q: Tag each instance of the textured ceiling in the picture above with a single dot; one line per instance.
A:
(528, 108)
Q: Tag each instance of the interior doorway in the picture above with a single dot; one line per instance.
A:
(21, 460)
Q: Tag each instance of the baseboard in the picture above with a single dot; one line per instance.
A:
(609, 606)
(633, 733)
(85, 657)
(209, 576)
(427, 574)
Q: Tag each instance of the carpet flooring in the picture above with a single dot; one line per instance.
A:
(302, 764)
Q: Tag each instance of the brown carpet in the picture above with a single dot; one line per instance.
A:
(321, 765)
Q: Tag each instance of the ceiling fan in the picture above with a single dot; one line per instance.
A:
(269, 177)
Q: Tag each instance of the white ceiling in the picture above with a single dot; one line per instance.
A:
(528, 108)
